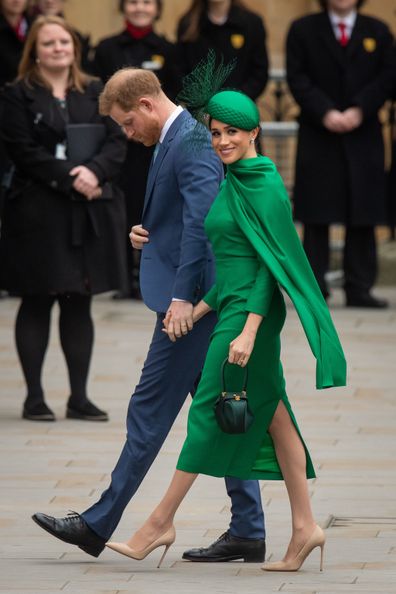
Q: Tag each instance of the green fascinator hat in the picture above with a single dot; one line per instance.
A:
(235, 109)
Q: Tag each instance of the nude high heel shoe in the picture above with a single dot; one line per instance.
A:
(167, 539)
(317, 539)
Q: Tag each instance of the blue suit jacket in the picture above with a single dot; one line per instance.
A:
(182, 184)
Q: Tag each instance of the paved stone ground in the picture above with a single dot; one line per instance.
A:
(65, 465)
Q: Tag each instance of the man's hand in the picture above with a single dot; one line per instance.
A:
(138, 237)
(85, 182)
(341, 122)
(353, 117)
(179, 319)
(334, 121)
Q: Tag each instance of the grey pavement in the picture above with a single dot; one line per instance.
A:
(65, 465)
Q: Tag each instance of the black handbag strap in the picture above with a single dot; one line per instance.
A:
(223, 382)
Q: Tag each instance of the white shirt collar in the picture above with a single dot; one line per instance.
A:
(169, 122)
(349, 19)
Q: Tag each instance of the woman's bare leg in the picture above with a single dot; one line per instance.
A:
(291, 456)
(161, 519)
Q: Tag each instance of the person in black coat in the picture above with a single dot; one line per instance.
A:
(64, 218)
(137, 45)
(55, 8)
(339, 68)
(14, 26)
(233, 32)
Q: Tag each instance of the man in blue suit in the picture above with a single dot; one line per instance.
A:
(176, 271)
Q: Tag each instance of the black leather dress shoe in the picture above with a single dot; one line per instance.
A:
(229, 548)
(72, 529)
(366, 300)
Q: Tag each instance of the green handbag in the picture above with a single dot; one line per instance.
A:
(231, 409)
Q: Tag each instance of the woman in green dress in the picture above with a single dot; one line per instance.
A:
(257, 251)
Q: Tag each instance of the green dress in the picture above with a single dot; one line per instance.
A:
(257, 250)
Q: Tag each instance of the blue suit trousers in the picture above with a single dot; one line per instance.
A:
(169, 374)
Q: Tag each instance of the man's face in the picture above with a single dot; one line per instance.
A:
(342, 7)
(140, 124)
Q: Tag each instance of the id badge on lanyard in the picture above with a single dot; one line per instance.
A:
(60, 151)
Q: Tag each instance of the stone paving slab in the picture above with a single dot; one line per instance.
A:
(54, 467)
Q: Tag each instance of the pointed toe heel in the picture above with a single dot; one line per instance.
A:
(317, 539)
(165, 540)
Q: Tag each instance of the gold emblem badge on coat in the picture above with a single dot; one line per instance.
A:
(159, 59)
(237, 41)
(369, 44)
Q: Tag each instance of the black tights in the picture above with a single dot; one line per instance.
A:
(76, 331)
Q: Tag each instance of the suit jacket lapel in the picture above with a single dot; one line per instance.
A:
(356, 37)
(156, 166)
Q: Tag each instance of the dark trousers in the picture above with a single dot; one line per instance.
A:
(169, 374)
(360, 257)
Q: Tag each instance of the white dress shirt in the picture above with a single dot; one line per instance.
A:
(349, 21)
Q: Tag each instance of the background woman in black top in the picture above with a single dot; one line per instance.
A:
(137, 45)
(63, 220)
(233, 32)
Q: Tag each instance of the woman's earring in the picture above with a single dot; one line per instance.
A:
(37, 60)
(251, 140)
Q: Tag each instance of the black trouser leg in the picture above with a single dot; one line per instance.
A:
(316, 246)
(32, 330)
(360, 260)
(76, 336)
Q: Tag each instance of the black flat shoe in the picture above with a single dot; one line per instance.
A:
(86, 411)
(229, 548)
(366, 300)
(72, 529)
(38, 412)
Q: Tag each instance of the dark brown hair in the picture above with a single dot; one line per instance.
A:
(126, 87)
(323, 4)
(28, 69)
(192, 18)
(121, 5)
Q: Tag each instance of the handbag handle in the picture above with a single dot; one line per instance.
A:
(223, 382)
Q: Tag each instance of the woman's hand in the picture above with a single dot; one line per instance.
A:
(241, 348)
(85, 182)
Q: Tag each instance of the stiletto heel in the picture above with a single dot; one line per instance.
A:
(317, 539)
(321, 556)
(163, 556)
(167, 539)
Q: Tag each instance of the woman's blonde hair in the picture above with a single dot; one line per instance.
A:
(28, 69)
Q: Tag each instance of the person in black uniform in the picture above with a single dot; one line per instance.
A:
(392, 173)
(137, 45)
(55, 8)
(340, 66)
(14, 26)
(64, 217)
(232, 31)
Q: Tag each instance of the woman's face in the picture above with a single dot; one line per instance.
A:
(54, 48)
(141, 13)
(13, 6)
(50, 7)
(232, 144)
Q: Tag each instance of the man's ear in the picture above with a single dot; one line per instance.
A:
(146, 104)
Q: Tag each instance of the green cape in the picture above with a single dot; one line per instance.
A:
(261, 207)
